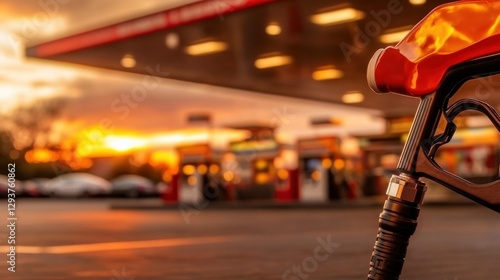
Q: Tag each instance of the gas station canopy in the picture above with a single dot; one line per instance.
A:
(315, 50)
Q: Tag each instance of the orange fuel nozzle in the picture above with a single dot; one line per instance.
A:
(449, 35)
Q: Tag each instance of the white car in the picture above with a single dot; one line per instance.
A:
(34, 187)
(78, 185)
(132, 186)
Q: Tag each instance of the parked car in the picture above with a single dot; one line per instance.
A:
(78, 185)
(34, 187)
(132, 186)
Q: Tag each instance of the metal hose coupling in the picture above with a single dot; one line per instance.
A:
(397, 223)
(406, 188)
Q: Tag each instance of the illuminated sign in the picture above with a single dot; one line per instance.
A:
(250, 146)
(194, 150)
(319, 144)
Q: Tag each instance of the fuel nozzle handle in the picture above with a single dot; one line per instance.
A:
(451, 34)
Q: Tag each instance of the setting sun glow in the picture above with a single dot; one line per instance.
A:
(94, 143)
(124, 143)
(41, 155)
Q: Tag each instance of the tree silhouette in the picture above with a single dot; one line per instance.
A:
(25, 127)
(31, 124)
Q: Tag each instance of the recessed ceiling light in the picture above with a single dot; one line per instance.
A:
(273, 29)
(273, 61)
(337, 16)
(128, 61)
(327, 73)
(417, 2)
(209, 47)
(393, 37)
(172, 40)
(351, 97)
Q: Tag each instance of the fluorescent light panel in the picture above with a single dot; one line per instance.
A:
(417, 2)
(273, 61)
(327, 73)
(205, 48)
(351, 97)
(393, 37)
(337, 16)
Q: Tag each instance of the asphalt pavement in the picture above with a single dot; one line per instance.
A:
(85, 239)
